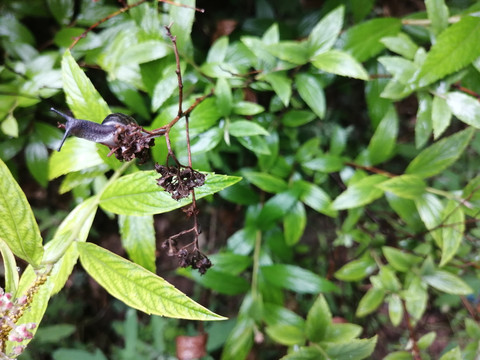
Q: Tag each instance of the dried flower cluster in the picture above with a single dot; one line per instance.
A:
(132, 142)
(193, 257)
(179, 181)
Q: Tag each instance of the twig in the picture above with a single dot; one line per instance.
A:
(411, 331)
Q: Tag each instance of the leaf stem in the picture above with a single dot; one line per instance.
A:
(256, 263)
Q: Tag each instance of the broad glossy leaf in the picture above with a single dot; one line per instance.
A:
(382, 143)
(325, 33)
(62, 10)
(416, 298)
(218, 51)
(145, 51)
(292, 51)
(356, 270)
(247, 108)
(315, 197)
(138, 193)
(440, 155)
(401, 44)
(256, 144)
(447, 282)
(18, 227)
(319, 319)
(340, 63)
(453, 354)
(276, 314)
(437, 13)
(455, 48)
(311, 91)
(281, 84)
(360, 193)
(265, 181)
(355, 349)
(246, 128)
(164, 87)
(137, 287)
(294, 223)
(399, 260)
(276, 207)
(295, 118)
(223, 93)
(370, 302)
(441, 116)
(423, 125)
(138, 239)
(464, 107)
(363, 40)
(288, 335)
(181, 18)
(296, 279)
(405, 186)
(342, 332)
(230, 263)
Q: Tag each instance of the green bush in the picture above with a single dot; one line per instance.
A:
(354, 135)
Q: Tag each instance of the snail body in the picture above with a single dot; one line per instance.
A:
(103, 133)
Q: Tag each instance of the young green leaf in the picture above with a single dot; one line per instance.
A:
(18, 227)
(326, 31)
(315, 197)
(181, 18)
(356, 270)
(288, 335)
(382, 143)
(437, 13)
(455, 48)
(138, 239)
(294, 223)
(319, 319)
(240, 341)
(360, 193)
(426, 340)
(464, 107)
(401, 44)
(453, 354)
(281, 84)
(246, 128)
(218, 51)
(137, 287)
(447, 282)
(340, 63)
(441, 116)
(292, 51)
(355, 349)
(423, 125)
(311, 91)
(223, 93)
(395, 309)
(440, 155)
(138, 193)
(247, 108)
(370, 302)
(405, 186)
(399, 260)
(452, 231)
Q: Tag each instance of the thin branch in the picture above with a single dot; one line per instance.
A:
(412, 335)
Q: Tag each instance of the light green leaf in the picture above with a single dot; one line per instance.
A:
(405, 186)
(356, 270)
(265, 181)
(437, 13)
(326, 163)
(370, 302)
(360, 193)
(9, 268)
(395, 309)
(382, 143)
(256, 144)
(325, 33)
(240, 341)
(399, 355)
(305, 353)
(447, 282)
(296, 279)
(318, 321)
(441, 116)
(9, 126)
(342, 332)
(18, 227)
(288, 335)
(340, 63)
(138, 193)
(426, 340)
(454, 354)
(145, 51)
(247, 108)
(363, 40)
(440, 155)
(315, 197)
(453, 227)
(292, 51)
(223, 93)
(165, 87)
(464, 107)
(295, 118)
(416, 298)
(281, 84)
(423, 125)
(401, 44)
(137, 287)
(246, 128)
(181, 18)
(294, 223)
(311, 91)
(138, 239)
(82, 98)
(455, 48)
(355, 349)
(400, 260)
(218, 51)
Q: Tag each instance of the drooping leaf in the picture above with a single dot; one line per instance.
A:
(440, 155)
(138, 193)
(453, 227)
(137, 287)
(18, 227)
(223, 93)
(423, 125)
(455, 48)
(395, 309)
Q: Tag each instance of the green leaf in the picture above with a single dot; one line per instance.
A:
(439, 156)
(246, 128)
(305, 353)
(401, 44)
(294, 223)
(319, 319)
(363, 40)
(441, 116)
(437, 13)
(295, 118)
(455, 48)
(355, 349)
(325, 163)
(145, 51)
(292, 51)
(288, 335)
(18, 227)
(454, 354)
(447, 282)
(181, 18)
(9, 268)
(137, 287)
(239, 341)
(138, 193)
(340, 63)
(342, 332)
(452, 231)
(223, 93)
(360, 193)
(310, 89)
(315, 197)
(274, 314)
(370, 302)
(36, 157)
(62, 10)
(296, 279)
(219, 281)
(326, 31)
(464, 107)
(218, 51)
(138, 239)
(9, 126)
(395, 309)
(405, 186)
(230, 263)
(247, 108)
(423, 125)
(357, 269)
(426, 340)
(265, 181)
(276, 207)
(281, 84)
(400, 260)
(82, 98)
(164, 87)
(382, 143)
(256, 144)
(399, 355)
(416, 298)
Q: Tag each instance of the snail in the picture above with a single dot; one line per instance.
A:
(103, 133)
